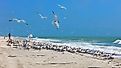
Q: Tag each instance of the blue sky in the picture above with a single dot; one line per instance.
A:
(83, 17)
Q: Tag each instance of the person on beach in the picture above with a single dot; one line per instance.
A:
(9, 35)
(4, 37)
(9, 39)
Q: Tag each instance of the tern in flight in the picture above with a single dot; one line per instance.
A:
(55, 21)
(62, 7)
(43, 17)
(18, 21)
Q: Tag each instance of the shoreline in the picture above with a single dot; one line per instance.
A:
(52, 58)
(40, 44)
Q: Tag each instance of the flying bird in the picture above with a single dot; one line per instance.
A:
(62, 7)
(43, 17)
(18, 21)
(55, 21)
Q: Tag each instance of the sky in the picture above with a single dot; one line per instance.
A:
(83, 17)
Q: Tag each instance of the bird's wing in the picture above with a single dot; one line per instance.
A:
(23, 21)
(58, 21)
(44, 17)
(10, 20)
(64, 8)
(53, 12)
(56, 24)
(40, 15)
(59, 5)
(55, 16)
(15, 19)
(26, 24)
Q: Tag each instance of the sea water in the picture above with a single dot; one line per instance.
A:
(104, 44)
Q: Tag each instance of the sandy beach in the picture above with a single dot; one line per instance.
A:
(60, 34)
(19, 58)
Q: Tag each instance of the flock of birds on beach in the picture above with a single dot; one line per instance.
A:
(38, 45)
(55, 21)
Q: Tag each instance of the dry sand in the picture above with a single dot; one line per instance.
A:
(19, 58)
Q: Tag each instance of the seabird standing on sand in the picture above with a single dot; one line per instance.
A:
(62, 7)
(18, 21)
(43, 17)
(55, 21)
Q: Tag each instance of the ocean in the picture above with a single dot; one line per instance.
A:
(104, 44)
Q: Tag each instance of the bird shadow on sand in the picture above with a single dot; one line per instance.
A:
(94, 67)
(12, 56)
(40, 55)
(59, 63)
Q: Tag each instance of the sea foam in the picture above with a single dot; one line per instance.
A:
(105, 47)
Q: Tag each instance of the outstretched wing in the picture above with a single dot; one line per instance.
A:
(23, 21)
(53, 12)
(10, 20)
(62, 7)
